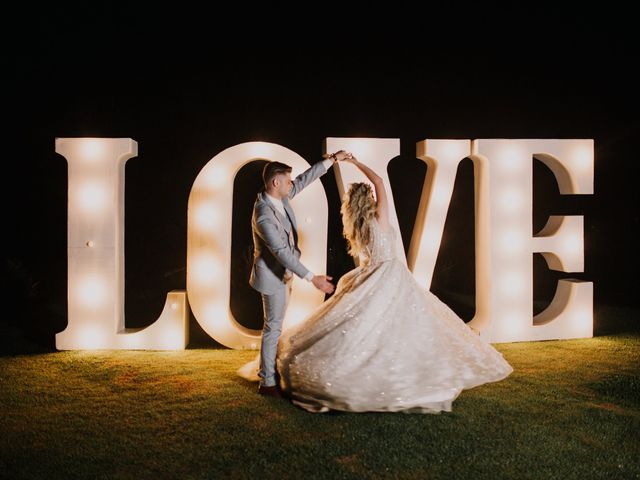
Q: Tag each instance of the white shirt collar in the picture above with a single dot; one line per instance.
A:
(277, 202)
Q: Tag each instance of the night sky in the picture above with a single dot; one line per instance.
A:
(183, 90)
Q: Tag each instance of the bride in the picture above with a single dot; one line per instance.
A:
(381, 343)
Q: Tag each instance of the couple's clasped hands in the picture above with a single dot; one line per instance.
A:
(343, 156)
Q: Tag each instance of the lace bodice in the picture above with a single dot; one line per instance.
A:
(382, 244)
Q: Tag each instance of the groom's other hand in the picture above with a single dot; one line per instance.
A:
(322, 282)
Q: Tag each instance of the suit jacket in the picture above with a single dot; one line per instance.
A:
(275, 237)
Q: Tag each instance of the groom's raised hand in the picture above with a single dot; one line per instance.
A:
(322, 282)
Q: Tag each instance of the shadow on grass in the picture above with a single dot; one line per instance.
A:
(14, 341)
(610, 320)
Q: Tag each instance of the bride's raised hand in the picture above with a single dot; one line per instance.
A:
(350, 158)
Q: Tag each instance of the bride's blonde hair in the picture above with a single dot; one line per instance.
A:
(358, 208)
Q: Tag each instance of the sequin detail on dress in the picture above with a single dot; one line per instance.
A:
(382, 343)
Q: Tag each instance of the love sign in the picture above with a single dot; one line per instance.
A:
(504, 246)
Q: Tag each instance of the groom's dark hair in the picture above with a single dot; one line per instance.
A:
(272, 169)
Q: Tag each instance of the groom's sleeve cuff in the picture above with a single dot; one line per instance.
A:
(309, 276)
(327, 163)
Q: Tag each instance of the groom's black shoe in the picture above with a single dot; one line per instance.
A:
(273, 391)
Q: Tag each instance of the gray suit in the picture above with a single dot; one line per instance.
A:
(276, 255)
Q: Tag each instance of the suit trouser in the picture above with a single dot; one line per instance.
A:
(274, 307)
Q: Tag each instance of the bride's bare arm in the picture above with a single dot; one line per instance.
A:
(382, 213)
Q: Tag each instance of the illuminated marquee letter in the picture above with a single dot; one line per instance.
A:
(95, 253)
(375, 153)
(442, 158)
(507, 296)
(209, 242)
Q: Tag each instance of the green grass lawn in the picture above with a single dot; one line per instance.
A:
(569, 410)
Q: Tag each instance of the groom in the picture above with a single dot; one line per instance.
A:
(276, 256)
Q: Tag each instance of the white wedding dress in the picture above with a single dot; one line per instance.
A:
(382, 343)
